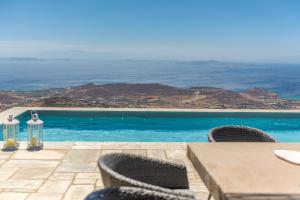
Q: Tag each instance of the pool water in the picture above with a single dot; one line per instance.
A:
(156, 126)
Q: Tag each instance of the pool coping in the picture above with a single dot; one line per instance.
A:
(20, 110)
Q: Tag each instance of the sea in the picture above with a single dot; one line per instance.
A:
(35, 74)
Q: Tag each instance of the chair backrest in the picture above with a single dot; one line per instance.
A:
(123, 164)
(238, 134)
(120, 169)
(131, 193)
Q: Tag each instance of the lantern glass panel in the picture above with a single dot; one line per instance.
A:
(10, 133)
(35, 134)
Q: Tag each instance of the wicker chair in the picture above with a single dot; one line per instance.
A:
(131, 193)
(238, 134)
(120, 169)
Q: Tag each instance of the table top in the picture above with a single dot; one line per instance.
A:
(246, 170)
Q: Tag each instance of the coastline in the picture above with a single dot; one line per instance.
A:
(145, 96)
(20, 110)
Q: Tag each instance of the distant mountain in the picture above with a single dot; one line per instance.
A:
(148, 96)
(92, 91)
(24, 59)
(260, 92)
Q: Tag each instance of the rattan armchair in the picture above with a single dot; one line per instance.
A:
(238, 134)
(132, 193)
(120, 169)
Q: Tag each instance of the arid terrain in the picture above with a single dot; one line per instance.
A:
(147, 96)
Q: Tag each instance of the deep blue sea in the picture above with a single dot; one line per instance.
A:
(28, 74)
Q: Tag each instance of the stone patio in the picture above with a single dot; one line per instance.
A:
(68, 170)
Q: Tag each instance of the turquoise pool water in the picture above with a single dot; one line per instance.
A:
(156, 126)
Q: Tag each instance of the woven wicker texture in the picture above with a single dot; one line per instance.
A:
(120, 169)
(238, 134)
(131, 193)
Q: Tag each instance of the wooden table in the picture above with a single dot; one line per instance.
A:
(246, 170)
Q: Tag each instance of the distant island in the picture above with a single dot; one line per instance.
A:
(146, 96)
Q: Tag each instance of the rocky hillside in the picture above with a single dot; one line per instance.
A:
(147, 96)
(259, 93)
(96, 92)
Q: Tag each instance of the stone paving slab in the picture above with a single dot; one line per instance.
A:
(55, 187)
(157, 153)
(68, 170)
(83, 155)
(5, 173)
(13, 195)
(39, 155)
(33, 173)
(62, 176)
(44, 196)
(78, 192)
(76, 167)
(20, 184)
(4, 154)
(58, 145)
(2, 161)
(87, 145)
(30, 163)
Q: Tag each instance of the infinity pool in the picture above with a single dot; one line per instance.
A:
(156, 126)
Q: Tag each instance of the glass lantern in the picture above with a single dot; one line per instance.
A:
(10, 132)
(35, 132)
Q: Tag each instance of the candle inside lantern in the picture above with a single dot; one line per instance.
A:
(33, 141)
(35, 132)
(11, 142)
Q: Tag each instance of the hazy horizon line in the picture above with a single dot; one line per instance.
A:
(36, 58)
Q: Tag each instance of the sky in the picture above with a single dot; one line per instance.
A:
(233, 30)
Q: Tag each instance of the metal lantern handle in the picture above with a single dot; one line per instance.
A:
(10, 118)
(34, 115)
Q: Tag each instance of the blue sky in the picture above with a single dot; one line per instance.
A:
(151, 29)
